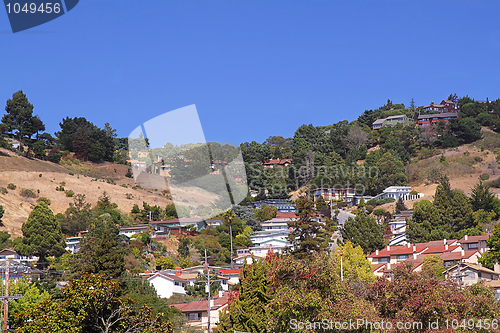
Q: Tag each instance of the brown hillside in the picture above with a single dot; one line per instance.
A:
(25, 174)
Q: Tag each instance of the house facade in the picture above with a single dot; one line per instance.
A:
(166, 285)
(446, 106)
(426, 120)
(392, 121)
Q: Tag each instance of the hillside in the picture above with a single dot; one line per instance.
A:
(25, 174)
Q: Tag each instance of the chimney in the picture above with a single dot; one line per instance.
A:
(376, 252)
(388, 266)
(388, 247)
(444, 241)
(147, 274)
(212, 303)
(466, 237)
(414, 248)
(409, 245)
(463, 253)
(414, 256)
(178, 271)
(446, 247)
(220, 293)
(496, 268)
(79, 234)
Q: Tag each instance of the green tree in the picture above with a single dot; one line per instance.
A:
(400, 205)
(2, 211)
(19, 119)
(492, 256)
(307, 235)
(198, 287)
(426, 223)
(354, 263)
(102, 251)
(482, 198)
(265, 213)
(363, 231)
(91, 304)
(391, 172)
(183, 247)
(249, 311)
(42, 235)
(433, 265)
(77, 216)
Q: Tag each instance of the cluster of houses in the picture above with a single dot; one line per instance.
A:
(460, 258)
(433, 113)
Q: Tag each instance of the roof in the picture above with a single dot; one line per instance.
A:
(396, 116)
(202, 306)
(440, 242)
(378, 121)
(398, 250)
(181, 220)
(474, 239)
(475, 267)
(493, 284)
(441, 249)
(434, 106)
(15, 267)
(457, 255)
(168, 276)
(233, 271)
(438, 115)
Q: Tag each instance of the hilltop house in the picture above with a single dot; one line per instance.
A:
(446, 106)
(166, 285)
(425, 120)
(392, 121)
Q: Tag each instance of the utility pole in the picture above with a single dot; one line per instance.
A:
(341, 268)
(6, 300)
(208, 287)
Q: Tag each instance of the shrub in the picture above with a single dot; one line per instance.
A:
(28, 193)
(442, 159)
(71, 174)
(129, 173)
(60, 188)
(484, 176)
(110, 182)
(129, 195)
(385, 200)
(478, 159)
(70, 193)
(3, 190)
(124, 185)
(12, 186)
(44, 199)
(55, 157)
(40, 175)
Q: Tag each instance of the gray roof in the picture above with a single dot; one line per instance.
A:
(378, 121)
(438, 115)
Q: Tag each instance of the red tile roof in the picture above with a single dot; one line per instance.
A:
(202, 306)
(172, 277)
(458, 255)
(397, 250)
(441, 249)
(233, 271)
(474, 239)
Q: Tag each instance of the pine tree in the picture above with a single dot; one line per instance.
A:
(248, 311)
(363, 231)
(307, 235)
(400, 206)
(42, 235)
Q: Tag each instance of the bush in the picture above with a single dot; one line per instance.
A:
(27, 193)
(110, 182)
(129, 173)
(3, 190)
(71, 174)
(70, 193)
(484, 176)
(385, 200)
(55, 157)
(442, 159)
(40, 175)
(478, 159)
(44, 199)
(12, 186)
(129, 195)
(124, 185)
(60, 188)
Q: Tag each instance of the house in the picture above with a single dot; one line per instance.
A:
(196, 312)
(392, 121)
(467, 274)
(277, 162)
(334, 194)
(141, 166)
(270, 237)
(18, 270)
(166, 285)
(73, 244)
(425, 120)
(475, 243)
(132, 230)
(174, 226)
(283, 205)
(232, 274)
(9, 254)
(446, 106)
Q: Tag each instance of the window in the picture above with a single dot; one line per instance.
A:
(179, 283)
(194, 316)
(402, 257)
(383, 260)
(470, 275)
(473, 246)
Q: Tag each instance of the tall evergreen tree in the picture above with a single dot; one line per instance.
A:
(400, 206)
(307, 235)
(42, 235)
(248, 311)
(363, 231)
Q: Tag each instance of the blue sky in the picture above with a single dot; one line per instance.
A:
(252, 68)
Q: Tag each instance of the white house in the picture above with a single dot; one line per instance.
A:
(167, 285)
(73, 244)
(132, 230)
